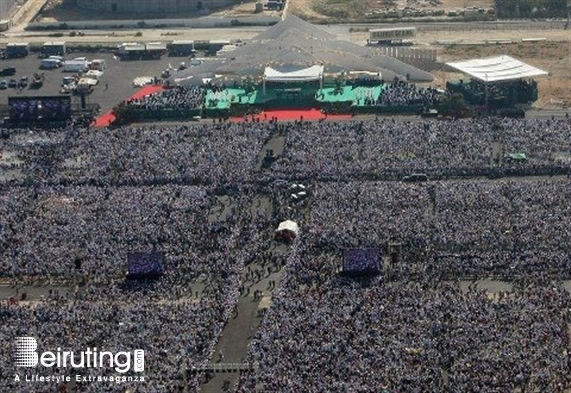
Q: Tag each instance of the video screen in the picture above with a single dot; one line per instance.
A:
(39, 108)
(55, 108)
(361, 260)
(23, 108)
(145, 263)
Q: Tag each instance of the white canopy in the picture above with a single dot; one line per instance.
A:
(288, 225)
(306, 74)
(494, 69)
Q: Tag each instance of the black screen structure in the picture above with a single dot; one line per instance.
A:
(39, 109)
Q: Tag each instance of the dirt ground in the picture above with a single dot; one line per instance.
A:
(62, 10)
(309, 9)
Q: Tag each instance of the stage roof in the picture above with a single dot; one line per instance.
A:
(496, 69)
(294, 42)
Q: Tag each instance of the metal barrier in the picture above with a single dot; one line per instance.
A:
(224, 367)
(409, 54)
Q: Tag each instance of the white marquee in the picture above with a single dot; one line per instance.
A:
(496, 69)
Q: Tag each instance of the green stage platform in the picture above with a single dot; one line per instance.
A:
(222, 100)
(355, 95)
(349, 94)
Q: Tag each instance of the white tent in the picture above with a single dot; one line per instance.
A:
(496, 69)
(288, 225)
(312, 73)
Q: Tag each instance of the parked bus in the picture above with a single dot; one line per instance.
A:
(392, 34)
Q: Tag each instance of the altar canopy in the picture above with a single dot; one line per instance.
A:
(496, 69)
(313, 73)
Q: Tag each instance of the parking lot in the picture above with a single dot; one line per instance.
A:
(118, 77)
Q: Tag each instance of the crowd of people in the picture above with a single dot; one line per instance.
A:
(461, 228)
(387, 148)
(342, 334)
(81, 236)
(397, 94)
(50, 228)
(177, 98)
(422, 329)
(402, 93)
(383, 149)
(217, 154)
(74, 203)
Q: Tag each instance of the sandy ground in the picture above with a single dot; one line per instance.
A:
(307, 8)
(438, 4)
(457, 4)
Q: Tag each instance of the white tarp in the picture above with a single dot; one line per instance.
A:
(307, 74)
(288, 225)
(494, 69)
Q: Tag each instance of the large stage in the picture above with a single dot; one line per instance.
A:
(294, 97)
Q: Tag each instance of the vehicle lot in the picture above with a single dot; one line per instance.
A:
(118, 76)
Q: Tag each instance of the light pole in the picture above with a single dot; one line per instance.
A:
(486, 90)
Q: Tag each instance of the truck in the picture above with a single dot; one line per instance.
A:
(50, 64)
(85, 85)
(38, 80)
(17, 50)
(181, 48)
(75, 66)
(97, 64)
(53, 48)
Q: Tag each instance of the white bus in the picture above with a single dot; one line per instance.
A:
(391, 34)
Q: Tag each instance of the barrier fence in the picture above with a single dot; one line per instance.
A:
(409, 54)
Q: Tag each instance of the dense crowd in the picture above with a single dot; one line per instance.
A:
(74, 203)
(172, 333)
(177, 98)
(455, 228)
(397, 93)
(49, 228)
(176, 320)
(413, 336)
(384, 149)
(420, 331)
(402, 93)
(134, 155)
(387, 148)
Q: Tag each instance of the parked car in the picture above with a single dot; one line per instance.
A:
(8, 71)
(13, 83)
(23, 82)
(3, 84)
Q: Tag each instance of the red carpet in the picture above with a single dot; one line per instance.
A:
(281, 115)
(107, 118)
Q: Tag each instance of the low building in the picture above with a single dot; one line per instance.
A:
(153, 6)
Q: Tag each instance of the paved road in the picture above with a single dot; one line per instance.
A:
(119, 35)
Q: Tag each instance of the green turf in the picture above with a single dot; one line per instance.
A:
(349, 94)
(230, 96)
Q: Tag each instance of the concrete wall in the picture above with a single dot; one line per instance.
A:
(5, 7)
(152, 6)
